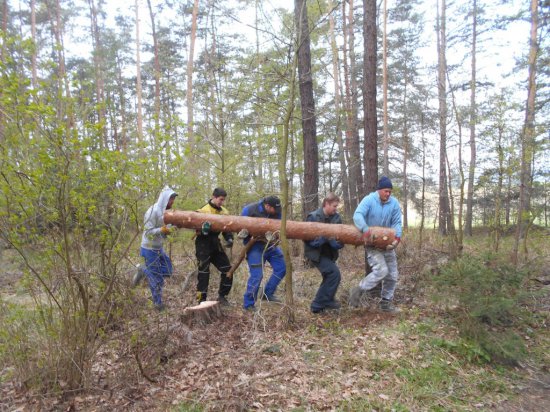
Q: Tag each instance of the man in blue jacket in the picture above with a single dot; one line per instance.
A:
(379, 209)
(260, 252)
(323, 253)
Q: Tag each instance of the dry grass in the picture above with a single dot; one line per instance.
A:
(351, 360)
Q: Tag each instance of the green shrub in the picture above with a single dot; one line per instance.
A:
(488, 295)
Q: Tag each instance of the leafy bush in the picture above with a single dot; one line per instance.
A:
(488, 295)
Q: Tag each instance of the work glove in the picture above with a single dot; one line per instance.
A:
(393, 244)
(367, 237)
(335, 244)
(271, 236)
(167, 229)
(243, 234)
(229, 243)
(205, 228)
(318, 241)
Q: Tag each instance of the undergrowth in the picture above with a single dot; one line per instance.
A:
(485, 296)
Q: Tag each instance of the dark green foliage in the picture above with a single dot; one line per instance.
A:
(488, 294)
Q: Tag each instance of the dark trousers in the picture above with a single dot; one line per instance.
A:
(331, 279)
(208, 250)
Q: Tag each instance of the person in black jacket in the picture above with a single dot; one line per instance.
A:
(208, 250)
(323, 253)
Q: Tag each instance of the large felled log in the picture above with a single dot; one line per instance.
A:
(202, 314)
(348, 234)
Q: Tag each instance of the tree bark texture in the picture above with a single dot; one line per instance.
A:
(311, 150)
(473, 121)
(98, 70)
(34, 39)
(156, 67)
(338, 106)
(353, 149)
(528, 138)
(444, 208)
(385, 131)
(258, 227)
(369, 96)
(189, 91)
(138, 85)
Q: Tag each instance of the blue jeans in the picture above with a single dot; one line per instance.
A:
(384, 269)
(331, 279)
(157, 266)
(255, 265)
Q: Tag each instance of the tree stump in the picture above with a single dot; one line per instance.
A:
(202, 314)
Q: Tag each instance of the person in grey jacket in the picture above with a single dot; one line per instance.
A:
(323, 253)
(379, 209)
(157, 262)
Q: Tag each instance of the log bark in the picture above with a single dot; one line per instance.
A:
(257, 227)
(202, 314)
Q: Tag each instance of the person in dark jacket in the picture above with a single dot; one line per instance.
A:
(260, 252)
(323, 253)
(208, 250)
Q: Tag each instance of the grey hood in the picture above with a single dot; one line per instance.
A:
(154, 219)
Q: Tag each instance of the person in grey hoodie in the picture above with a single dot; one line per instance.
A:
(157, 263)
(379, 209)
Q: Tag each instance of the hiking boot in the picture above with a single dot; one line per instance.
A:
(223, 301)
(201, 297)
(388, 307)
(271, 298)
(355, 296)
(138, 277)
(334, 305)
(161, 307)
(252, 309)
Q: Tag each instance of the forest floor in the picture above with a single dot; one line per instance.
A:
(354, 359)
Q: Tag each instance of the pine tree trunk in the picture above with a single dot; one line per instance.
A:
(35, 41)
(338, 107)
(498, 197)
(284, 183)
(98, 69)
(258, 227)
(473, 121)
(189, 91)
(444, 208)
(305, 77)
(5, 11)
(139, 92)
(156, 63)
(527, 140)
(353, 150)
(369, 97)
(385, 131)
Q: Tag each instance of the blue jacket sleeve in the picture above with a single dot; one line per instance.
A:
(396, 220)
(359, 217)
